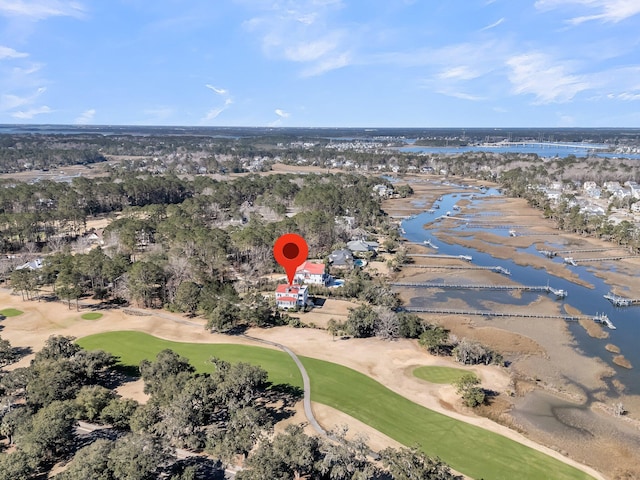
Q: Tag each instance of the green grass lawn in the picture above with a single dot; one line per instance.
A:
(11, 312)
(469, 449)
(91, 316)
(133, 347)
(435, 374)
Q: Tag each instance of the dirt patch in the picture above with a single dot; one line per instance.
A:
(331, 309)
(133, 389)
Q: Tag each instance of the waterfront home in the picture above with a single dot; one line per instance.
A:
(291, 296)
(313, 273)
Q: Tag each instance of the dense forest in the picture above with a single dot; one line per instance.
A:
(189, 245)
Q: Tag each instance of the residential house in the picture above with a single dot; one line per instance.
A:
(32, 265)
(552, 194)
(313, 273)
(95, 237)
(634, 188)
(362, 246)
(591, 189)
(291, 296)
(383, 190)
(341, 259)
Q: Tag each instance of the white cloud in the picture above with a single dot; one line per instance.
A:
(32, 112)
(613, 11)
(550, 82)
(7, 52)
(214, 112)
(86, 116)
(310, 51)
(281, 113)
(304, 33)
(462, 72)
(41, 9)
(626, 96)
(327, 64)
(9, 101)
(493, 25)
(219, 91)
(461, 95)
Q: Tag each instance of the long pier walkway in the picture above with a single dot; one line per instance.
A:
(582, 250)
(497, 268)
(575, 261)
(600, 318)
(530, 288)
(466, 258)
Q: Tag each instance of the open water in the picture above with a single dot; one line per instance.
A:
(542, 151)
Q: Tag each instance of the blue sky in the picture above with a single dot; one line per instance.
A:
(321, 63)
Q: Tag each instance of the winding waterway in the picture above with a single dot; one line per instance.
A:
(589, 301)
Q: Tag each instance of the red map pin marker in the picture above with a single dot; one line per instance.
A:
(290, 251)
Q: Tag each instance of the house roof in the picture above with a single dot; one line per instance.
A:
(286, 288)
(361, 245)
(32, 265)
(312, 268)
(341, 257)
(287, 299)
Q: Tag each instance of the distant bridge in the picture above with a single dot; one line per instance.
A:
(585, 146)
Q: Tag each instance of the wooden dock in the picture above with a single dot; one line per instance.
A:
(575, 261)
(497, 268)
(466, 258)
(453, 286)
(619, 301)
(599, 318)
(582, 250)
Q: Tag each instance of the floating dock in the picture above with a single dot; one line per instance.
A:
(619, 301)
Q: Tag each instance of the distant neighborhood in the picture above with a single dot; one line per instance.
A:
(618, 202)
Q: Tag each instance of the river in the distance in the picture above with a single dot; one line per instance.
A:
(588, 301)
(545, 151)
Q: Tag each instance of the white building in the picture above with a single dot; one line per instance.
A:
(291, 296)
(313, 273)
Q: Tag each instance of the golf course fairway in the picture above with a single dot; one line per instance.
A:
(474, 451)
